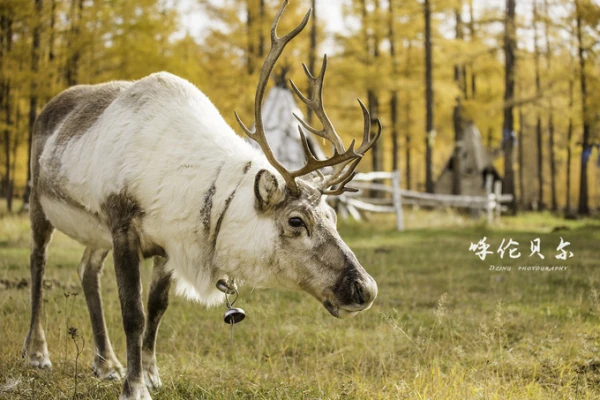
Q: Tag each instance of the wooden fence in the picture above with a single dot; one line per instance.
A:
(352, 204)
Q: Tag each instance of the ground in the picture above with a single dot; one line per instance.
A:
(444, 326)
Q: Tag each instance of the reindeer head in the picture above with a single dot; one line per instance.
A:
(309, 253)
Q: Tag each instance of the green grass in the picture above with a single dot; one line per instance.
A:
(443, 327)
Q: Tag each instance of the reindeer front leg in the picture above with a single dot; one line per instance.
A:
(158, 300)
(124, 213)
(106, 365)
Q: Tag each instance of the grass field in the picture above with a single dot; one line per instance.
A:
(443, 326)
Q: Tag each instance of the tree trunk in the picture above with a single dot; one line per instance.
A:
(552, 161)
(373, 105)
(377, 149)
(15, 143)
(72, 69)
(550, 113)
(538, 128)
(312, 56)
(7, 36)
(429, 127)
(7, 139)
(472, 34)
(520, 151)
(460, 80)
(394, 93)
(261, 25)
(408, 144)
(3, 35)
(459, 70)
(540, 162)
(394, 121)
(33, 97)
(509, 91)
(250, 30)
(52, 24)
(569, 139)
(372, 53)
(53, 77)
(583, 207)
(408, 119)
(458, 147)
(473, 85)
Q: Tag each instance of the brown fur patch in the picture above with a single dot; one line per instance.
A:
(225, 207)
(77, 109)
(265, 189)
(206, 209)
(87, 103)
(121, 210)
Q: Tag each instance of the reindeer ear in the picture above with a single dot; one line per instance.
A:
(267, 190)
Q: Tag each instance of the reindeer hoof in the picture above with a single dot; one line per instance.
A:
(36, 354)
(151, 376)
(39, 360)
(135, 392)
(110, 370)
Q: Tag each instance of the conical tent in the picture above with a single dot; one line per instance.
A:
(281, 128)
(476, 163)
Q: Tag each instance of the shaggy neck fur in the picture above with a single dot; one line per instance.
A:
(235, 241)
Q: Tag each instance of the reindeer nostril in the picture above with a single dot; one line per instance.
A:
(359, 293)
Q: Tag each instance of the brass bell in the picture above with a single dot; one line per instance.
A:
(234, 315)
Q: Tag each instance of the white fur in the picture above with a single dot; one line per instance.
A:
(167, 155)
(76, 223)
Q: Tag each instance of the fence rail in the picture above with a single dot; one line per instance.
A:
(353, 203)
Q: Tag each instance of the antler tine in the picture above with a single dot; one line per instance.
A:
(315, 103)
(307, 126)
(258, 135)
(242, 125)
(285, 39)
(313, 164)
(309, 154)
(308, 73)
(345, 172)
(342, 188)
(367, 141)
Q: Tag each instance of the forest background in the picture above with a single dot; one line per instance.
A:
(526, 72)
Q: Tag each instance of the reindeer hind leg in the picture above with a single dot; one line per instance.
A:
(35, 349)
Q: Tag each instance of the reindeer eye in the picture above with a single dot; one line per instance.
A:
(296, 222)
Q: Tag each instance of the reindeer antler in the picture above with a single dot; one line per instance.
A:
(343, 161)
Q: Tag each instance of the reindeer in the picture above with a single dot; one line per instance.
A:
(151, 169)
